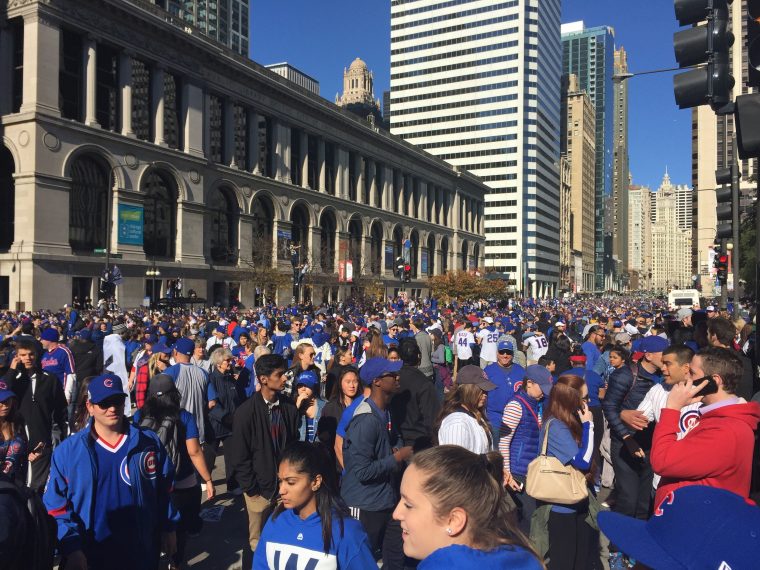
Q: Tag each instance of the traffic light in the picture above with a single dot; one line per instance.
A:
(753, 43)
(724, 196)
(400, 267)
(703, 44)
(721, 262)
(407, 273)
(747, 119)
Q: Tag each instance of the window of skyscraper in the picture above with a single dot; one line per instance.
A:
(107, 94)
(70, 75)
(141, 115)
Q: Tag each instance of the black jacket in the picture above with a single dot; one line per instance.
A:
(41, 409)
(229, 395)
(414, 408)
(627, 387)
(88, 358)
(252, 452)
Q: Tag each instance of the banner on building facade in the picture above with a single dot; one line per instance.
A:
(389, 257)
(283, 243)
(130, 224)
(341, 271)
(349, 271)
(424, 262)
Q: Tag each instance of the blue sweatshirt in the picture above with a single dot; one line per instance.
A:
(460, 556)
(290, 542)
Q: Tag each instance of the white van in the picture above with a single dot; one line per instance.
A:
(680, 298)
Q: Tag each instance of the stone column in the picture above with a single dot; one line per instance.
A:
(125, 84)
(157, 104)
(372, 183)
(341, 186)
(285, 156)
(321, 165)
(228, 121)
(455, 213)
(303, 143)
(423, 201)
(275, 150)
(194, 109)
(89, 64)
(410, 194)
(41, 39)
(253, 141)
(387, 188)
(315, 255)
(401, 181)
(360, 179)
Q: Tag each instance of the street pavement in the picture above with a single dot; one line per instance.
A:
(220, 544)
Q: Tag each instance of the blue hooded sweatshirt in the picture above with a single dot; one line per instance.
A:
(460, 556)
(291, 542)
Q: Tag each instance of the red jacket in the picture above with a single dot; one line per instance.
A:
(717, 452)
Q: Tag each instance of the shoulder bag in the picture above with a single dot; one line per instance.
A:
(552, 482)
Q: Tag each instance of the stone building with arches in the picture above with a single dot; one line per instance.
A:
(172, 153)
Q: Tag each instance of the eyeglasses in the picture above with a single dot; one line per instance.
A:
(115, 402)
(389, 375)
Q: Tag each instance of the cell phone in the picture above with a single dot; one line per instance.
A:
(521, 486)
(710, 388)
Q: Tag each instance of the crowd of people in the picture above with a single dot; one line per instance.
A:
(408, 433)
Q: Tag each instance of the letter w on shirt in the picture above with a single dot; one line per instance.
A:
(289, 557)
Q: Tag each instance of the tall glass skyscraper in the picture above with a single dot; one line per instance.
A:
(477, 83)
(226, 21)
(589, 53)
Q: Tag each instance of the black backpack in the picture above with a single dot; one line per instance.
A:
(27, 532)
(171, 432)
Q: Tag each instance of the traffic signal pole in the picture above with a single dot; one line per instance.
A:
(735, 255)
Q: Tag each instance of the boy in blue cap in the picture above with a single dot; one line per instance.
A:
(109, 489)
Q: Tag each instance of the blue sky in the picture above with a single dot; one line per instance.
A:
(321, 37)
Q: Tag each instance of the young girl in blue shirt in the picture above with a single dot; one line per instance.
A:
(311, 527)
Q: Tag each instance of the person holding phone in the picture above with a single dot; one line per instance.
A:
(717, 451)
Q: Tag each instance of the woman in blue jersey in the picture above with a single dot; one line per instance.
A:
(454, 513)
(311, 527)
(569, 426)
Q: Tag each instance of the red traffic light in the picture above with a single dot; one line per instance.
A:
(723, 259)
(407, 267)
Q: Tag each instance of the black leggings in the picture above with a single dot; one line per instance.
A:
(188, 503)
(569, 541)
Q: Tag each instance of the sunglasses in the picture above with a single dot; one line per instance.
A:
(389, 375)
(506, 351)
(311, 354)
(115, 402)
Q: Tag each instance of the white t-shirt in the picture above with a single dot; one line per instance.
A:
(537, 346)
(463, 340)
(489, 340)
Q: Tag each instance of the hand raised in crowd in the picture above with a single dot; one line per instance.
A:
(682, 394)
(634, 419)
(15, 362)
(511, 482)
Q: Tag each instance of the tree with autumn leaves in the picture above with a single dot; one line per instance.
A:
(464, 285)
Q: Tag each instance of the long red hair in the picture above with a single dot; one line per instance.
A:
(564, 402)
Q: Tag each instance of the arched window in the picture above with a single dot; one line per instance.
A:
(7, 199)
(160, 219)
(355, 245)
(223, 217)
(88, 203)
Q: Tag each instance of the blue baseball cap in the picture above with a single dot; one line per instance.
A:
(376, 367)
(50, 335)
(308, 378)
(731, 537)
(6, 394)
(184, 346)
(653, 344)
(161, 348)
(150, 339)
(84, 333)
(541, 376)
(505, 345)
(103, 387)
(221, 329)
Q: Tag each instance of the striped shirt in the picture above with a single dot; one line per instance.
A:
(510, 419)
